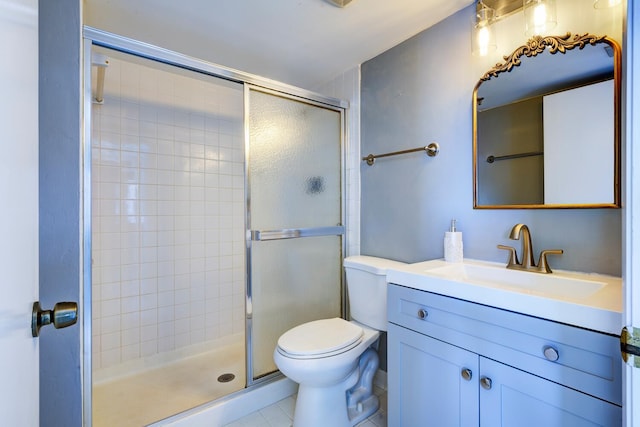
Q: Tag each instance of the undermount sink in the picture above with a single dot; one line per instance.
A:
(592, 301)
(521, 281)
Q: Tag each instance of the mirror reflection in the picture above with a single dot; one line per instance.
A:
(546, 126)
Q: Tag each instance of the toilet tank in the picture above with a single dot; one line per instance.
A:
(367, 289)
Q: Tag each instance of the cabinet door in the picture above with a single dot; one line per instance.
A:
(517, 398)
(426, 382)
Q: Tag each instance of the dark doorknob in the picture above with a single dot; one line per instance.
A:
(63, 314)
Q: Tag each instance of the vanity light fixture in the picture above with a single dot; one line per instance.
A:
(539, 16)
(483, 37)
(603, 4)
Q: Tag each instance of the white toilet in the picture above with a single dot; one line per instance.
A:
(332, 359)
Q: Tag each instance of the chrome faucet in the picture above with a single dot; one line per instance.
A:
(527, 264)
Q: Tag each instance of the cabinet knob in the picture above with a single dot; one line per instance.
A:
(550, 353)
(485, 382)
(466, 374)
(422, 314)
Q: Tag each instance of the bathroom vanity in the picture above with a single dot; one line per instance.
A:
(471, 345)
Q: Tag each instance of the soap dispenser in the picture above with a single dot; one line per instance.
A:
(453, 244)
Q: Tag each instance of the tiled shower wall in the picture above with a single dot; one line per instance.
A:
(168, 213)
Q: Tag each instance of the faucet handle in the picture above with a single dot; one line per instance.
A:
(513, 255)
(543, 266)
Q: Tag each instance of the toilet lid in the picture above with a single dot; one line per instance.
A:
(320, 337)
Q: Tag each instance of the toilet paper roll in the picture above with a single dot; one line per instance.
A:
(453, 247)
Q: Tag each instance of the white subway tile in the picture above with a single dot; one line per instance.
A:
(129, 288)
(110, 357)
(110, 341)
(166, 344)
(182, 324)
(197, 336)
(110, 290)
(148, 129)
(148, 302)
(110, 324)
(183, 340)
(148, 317)
(182, 299)
(130, 336)
(130, 352)
(130, 304)
(165, 299)
(131, 320)
(149, 146)
(148, 333)
(166, 283)
(166, 132)
(130, 159)
(130, 126)
(129, 175)
(148, 160)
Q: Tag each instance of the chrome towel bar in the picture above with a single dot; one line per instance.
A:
(492, 159)
(431, 150)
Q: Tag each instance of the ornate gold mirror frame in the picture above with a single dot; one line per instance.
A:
(553, 44)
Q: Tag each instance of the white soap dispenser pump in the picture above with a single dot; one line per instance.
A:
(453, 244)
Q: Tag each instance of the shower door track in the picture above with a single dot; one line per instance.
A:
(144, 50)
(96, 37)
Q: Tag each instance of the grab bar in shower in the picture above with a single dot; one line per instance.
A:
(294, 233)
(492, 159)
(431, 150)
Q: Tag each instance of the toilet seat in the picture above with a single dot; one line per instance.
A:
(320, 338)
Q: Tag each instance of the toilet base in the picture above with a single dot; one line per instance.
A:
(344, 404)
(332, 400)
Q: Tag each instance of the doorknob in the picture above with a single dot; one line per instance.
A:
(63, 314)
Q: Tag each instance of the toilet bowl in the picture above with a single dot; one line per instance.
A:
(334, 360)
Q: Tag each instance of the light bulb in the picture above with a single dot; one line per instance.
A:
(483, 38)
(539, 15)
(483, 41)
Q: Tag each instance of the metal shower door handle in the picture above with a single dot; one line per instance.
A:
(63, 314)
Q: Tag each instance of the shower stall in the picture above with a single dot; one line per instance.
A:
(217, 223)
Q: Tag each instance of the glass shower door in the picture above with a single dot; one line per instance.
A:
(294, 239)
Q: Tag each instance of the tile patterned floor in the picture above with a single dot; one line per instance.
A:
(280, 414)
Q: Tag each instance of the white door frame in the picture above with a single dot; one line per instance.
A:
(631, 212)
(60, 206)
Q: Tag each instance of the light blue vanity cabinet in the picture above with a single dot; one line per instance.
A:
(457, 363)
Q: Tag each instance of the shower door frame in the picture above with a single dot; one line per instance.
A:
(262, 235)
(96, 37)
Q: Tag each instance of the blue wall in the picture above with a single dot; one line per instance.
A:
(420, 91)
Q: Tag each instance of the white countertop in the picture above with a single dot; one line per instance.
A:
(600, 310)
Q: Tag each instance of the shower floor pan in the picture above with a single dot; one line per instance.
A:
(158, 393)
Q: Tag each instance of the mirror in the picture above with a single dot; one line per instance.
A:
(546, 126)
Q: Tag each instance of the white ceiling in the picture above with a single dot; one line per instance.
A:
(300, 42)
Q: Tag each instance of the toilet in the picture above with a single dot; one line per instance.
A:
(334, 360)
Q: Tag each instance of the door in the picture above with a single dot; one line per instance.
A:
(511, 397)
(431, 383)
(295, 224)
(19, 212)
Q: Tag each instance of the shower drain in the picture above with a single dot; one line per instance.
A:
(225, 378)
